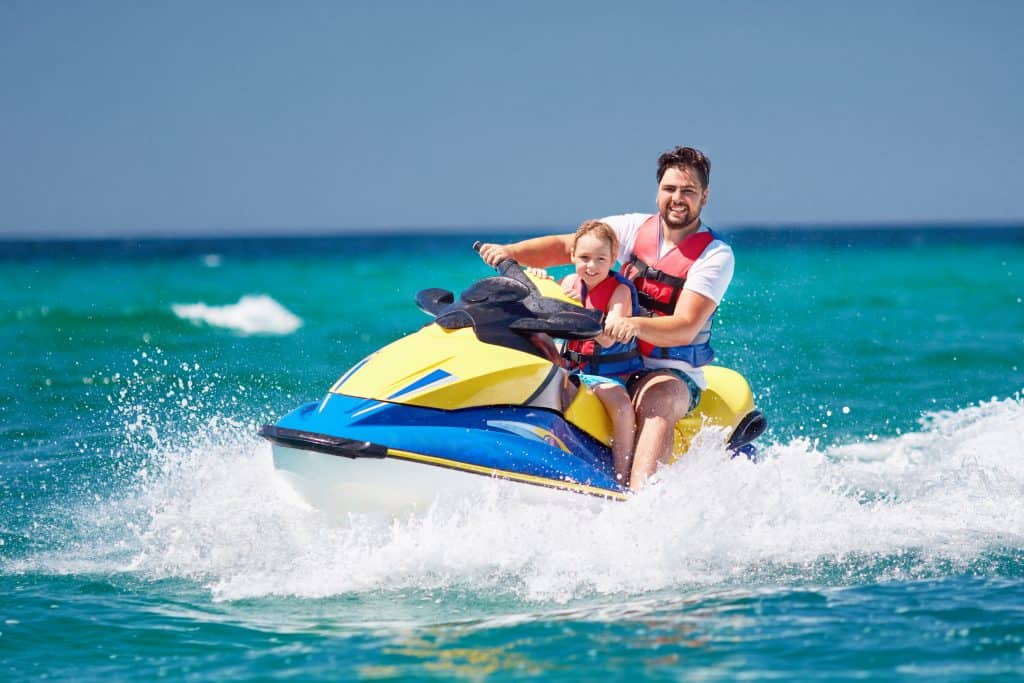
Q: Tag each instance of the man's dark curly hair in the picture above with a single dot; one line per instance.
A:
(686, 157)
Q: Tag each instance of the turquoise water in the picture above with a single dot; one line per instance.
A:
(144, 533)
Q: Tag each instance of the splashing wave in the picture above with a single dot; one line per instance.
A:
(253, 314)
(207, 506)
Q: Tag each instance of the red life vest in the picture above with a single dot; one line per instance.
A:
(589, 356)
(659, 281)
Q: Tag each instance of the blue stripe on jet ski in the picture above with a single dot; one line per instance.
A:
(426, 380)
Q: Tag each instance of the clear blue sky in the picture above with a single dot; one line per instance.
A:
(179, 117)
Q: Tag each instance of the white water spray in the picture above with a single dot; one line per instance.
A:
(211, 509)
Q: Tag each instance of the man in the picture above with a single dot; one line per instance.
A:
(681, 270)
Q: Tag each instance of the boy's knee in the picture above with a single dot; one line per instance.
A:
(624, 415)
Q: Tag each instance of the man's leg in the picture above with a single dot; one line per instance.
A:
(661, 400)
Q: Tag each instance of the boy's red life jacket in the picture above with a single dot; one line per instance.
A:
(587, 355)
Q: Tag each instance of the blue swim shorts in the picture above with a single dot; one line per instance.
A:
(594, 380)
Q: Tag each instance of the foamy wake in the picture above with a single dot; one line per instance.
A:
(253, 314)
(215, 512)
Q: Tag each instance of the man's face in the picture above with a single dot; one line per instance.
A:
(680, 197)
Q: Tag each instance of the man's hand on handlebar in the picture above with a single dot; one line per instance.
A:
(620, 328)
(493, 254)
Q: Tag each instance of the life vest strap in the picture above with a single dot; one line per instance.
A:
(652, 304)
(694, 354)
(646, 272)
(577, 359)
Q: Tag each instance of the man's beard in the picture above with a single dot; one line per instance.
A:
(687, 220)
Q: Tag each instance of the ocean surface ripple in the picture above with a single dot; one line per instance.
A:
(144, 532)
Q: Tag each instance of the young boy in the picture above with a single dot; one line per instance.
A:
(603, 363)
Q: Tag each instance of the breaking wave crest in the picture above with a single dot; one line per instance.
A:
(205, 505)
(253, 314)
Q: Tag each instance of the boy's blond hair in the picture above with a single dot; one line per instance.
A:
(599, 230)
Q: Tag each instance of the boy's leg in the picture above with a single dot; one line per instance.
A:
(620, 409)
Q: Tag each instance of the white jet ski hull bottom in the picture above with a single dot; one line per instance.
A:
(340, 485)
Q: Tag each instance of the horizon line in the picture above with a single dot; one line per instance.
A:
(320, 233)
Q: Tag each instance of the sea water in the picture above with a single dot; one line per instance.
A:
(145, 534)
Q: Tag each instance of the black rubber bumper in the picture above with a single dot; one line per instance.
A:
(750, 427)
(322, 443)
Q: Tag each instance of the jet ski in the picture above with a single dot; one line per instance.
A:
(477, 397)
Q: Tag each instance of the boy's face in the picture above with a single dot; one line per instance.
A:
(592, 258)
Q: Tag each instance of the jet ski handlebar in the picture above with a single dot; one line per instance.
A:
(510, 268)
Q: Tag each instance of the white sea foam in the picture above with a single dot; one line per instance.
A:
(253, 314)
(211, 509)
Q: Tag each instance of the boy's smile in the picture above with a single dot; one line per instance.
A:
(593, 259)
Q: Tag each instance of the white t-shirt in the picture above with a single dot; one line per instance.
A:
(709, 275)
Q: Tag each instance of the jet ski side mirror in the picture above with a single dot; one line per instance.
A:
(433, 300)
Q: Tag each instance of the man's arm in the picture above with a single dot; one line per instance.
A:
(679, 329)
(540, 252)
(705, 286)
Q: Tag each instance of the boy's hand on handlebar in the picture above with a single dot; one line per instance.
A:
(569, 290)
(493, 254)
